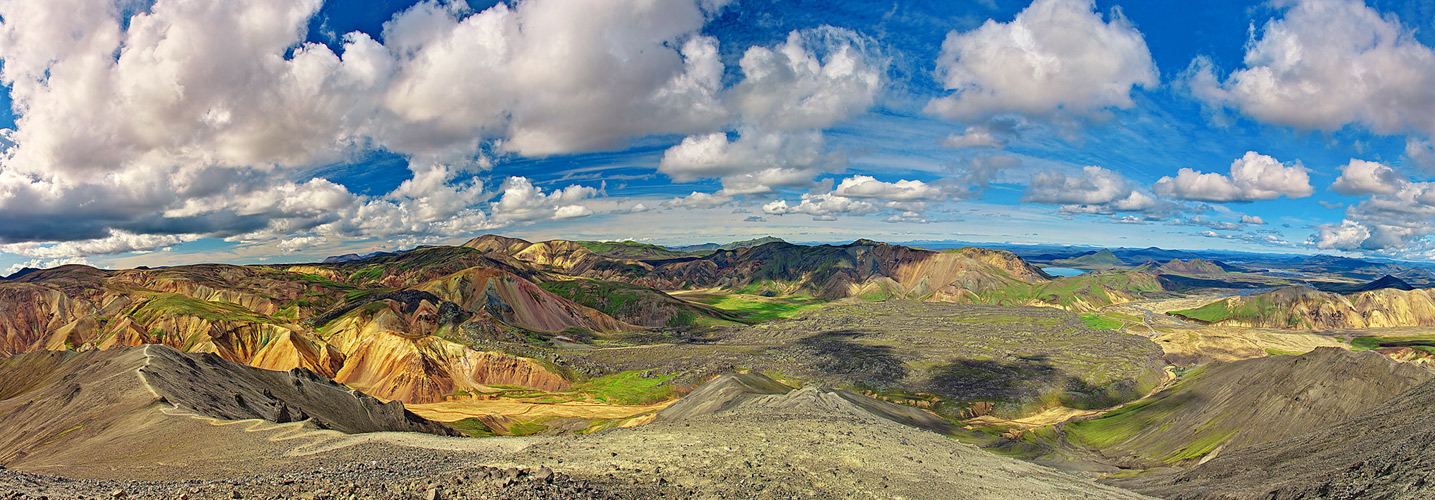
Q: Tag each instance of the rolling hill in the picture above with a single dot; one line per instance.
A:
(1222, 407)
(1383, 452)
(1306, 308)
(1081, 293)
(1101, 259)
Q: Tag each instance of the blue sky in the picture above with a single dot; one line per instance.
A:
(158, 133)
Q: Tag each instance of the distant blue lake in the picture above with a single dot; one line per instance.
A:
(1063, 272)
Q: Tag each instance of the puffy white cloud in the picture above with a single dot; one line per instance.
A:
(1253, 220)
(551, 76)
(1348, 235)
(699, 200)
(754, 163)
(851, 197)
(1360, 177)
(1253, 177)
(788, 94)
(1095, 186)
(572, 212)
(297, 243)
(521, 201)
(1384, 222)
(862, 186)
(825, 206)
(974, 137)
(1326, 64)
(1096, 191)
(1055, 57)
(790, 88)
(116, 242)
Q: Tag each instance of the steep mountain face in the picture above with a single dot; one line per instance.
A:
(231, 310)
(1305, 308)
(1222, 407)
(508, 299)
(397, 344)
(1384, 452)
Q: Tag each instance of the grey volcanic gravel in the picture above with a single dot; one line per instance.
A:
(397, 479)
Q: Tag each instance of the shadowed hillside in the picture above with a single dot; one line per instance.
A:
(1222, 407)
(1384, 452)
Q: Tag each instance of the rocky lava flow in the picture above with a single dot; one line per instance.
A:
(954, 359)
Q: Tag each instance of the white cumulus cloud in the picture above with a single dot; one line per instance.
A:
(788, 94)
(1328, 63)
(1056, 56)
(1253, 176)
(862, 186)
(1360, 177)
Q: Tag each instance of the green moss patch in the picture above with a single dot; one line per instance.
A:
(629, 388)
(1102, 322)
(1368, 343)
(173, 304)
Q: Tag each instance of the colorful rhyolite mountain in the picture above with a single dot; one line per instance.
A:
(405, 326)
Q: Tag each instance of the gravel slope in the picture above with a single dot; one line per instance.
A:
(1386, 453)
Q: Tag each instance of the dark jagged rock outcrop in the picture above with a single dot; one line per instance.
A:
(214, 387)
